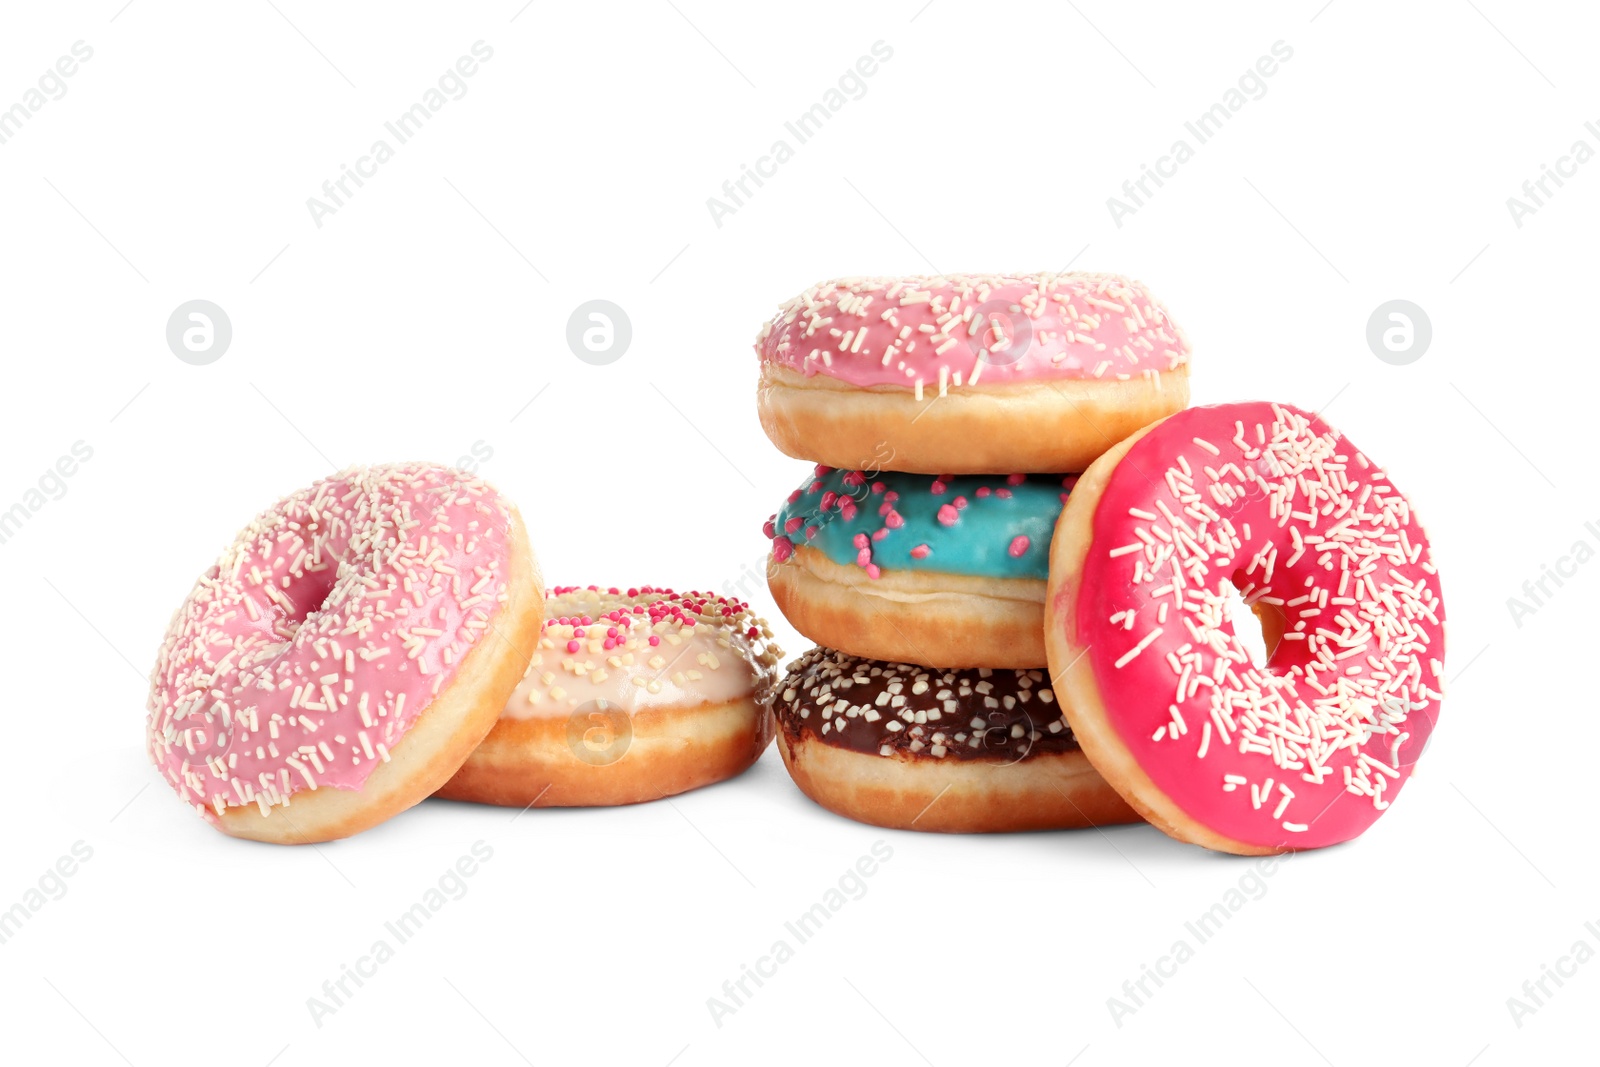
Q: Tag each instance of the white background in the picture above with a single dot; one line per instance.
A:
(431, 308)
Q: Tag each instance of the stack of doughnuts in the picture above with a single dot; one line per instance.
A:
(949, 418)
(1019, 553)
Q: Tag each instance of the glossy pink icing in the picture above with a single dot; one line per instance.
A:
(307, 651)
(938, 333)
(1309, 749)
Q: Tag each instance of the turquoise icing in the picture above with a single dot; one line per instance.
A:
(991, 511)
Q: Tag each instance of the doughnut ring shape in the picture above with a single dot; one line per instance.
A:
(1307, 749)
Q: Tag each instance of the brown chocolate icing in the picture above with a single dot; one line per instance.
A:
(899, 709)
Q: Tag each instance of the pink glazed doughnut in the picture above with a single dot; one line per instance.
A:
(1307, 749)
(346, 654)
(968, 374)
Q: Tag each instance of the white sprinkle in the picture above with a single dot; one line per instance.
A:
(1132, 653)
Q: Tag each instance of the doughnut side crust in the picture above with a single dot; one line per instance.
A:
(1042, 426)
(442, 737)
(1044, 791)
(935, 619)
(552, 761)
(1074, 681)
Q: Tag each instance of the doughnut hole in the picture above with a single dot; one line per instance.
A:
(1259, 626)
(302, 600)
(306, 597)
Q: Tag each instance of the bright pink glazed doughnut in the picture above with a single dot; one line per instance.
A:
(1311, 747)
(968, 374)
(345, 655)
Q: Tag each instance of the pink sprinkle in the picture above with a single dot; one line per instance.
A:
(766, 528)
(655, 639)
(885, 507)
(983, 491)
(611, 631)
(821, 469)
(864, 557)
(811, 531)
(938, 488)
(860, 540)
(794, 497)
(855, 478)
(829, 499)
(878, 487)
(610, 644)
(920, 552)
(894, 521)
(848, 510)
(793, 524)
(579, 631)
(1019, 544)
(1016, 479)
(873, 571)
(880, 533)
(573, 646)
(1004, 494)
(948, 515)
(891, 496)
(960, 501)
(782, 548)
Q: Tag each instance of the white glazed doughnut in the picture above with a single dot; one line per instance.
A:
(632, 695)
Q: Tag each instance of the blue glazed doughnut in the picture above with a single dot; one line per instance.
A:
(946, 571)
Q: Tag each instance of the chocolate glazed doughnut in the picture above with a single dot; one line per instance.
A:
(952, 751)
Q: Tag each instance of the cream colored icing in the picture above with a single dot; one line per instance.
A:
(643, 648)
